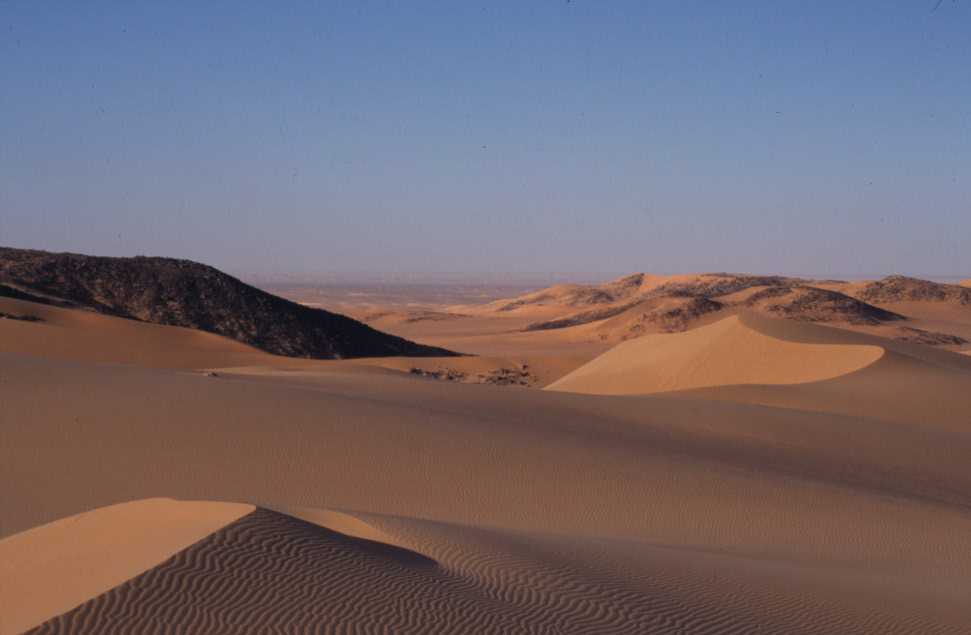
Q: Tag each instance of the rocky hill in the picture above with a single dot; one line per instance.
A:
(904, 289)
(193, 295)
(812, 304)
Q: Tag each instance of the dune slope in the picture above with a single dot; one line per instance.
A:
(730, 351)
(843, 372)
(273, 571)
(65, 333)
(390, 503)
(686, 512)
(53, 568)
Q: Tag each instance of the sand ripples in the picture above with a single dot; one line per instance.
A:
(270, 572)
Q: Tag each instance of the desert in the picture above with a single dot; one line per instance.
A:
(545, 318)
(738, 471)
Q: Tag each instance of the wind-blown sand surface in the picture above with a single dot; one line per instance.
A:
(472, 580)
(751, 359)
(730, 351)
(70, 334)
(390, 503)
(95, 551)
(93, 337)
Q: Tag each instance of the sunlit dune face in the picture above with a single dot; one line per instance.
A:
(727, 352)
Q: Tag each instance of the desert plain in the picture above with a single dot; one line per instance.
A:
(697, 453)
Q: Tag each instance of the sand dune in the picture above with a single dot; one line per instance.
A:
(791, 365)
(563, 297)
(385, 502)
(53, 568)
(72, 334)
(731, 351)
(896, 307)
(898, 387)
(85, 336)
(676, 309)
(624, 485)
(910, 383)
(274, 571)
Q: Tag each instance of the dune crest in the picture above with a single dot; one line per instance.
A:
(53, 568)
(347, 523)
(734, 350)
(269, 570)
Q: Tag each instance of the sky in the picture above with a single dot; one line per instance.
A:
(501, 137)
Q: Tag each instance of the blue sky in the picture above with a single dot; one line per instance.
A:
(532, 136)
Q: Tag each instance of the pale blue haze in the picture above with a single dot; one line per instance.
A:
(816, 137)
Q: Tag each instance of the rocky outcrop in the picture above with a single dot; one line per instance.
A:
(193, 295)
(903, 289)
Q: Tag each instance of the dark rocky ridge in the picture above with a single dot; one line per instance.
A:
(812, 304)
(193, 295)
(905, 289)
(584, 317)
(712, 285)
(931, 338)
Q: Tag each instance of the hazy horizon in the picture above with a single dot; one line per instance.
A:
(325, 277)
(506, 140)
(515, 279)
